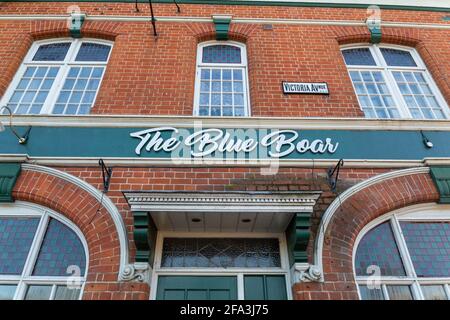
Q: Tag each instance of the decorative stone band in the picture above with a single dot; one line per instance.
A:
(233, 201)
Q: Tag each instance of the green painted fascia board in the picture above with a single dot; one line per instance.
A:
(441, 178)
(263, 3)
(8, 177)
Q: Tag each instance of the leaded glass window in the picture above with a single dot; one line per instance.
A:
(221, 84)
(220, 253)
(58, 78)
(41, 257)
(393, 83)
(404, 259)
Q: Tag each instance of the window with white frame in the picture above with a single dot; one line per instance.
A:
(42, 256)
(221, 87)
(59, 77)
(393, 82)
(405, 256)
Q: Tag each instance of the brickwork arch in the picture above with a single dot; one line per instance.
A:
(357, 207)
(108, 253)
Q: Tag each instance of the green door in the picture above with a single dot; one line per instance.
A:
(265, 287)
(196, 288)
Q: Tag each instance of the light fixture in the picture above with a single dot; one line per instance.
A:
(22, 139)
(426, 141)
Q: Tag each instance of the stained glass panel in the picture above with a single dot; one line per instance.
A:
(221, 54)
(378, 248)
(93, 52)
(398, 58)
(60, 249)
(16, 236)
(52, 52)
(359, 57)
(220, 253)
(429, 247)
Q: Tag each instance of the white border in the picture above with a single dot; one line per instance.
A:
(238, 272)
(27, 209)
(386, 70)
(334, 206)
(243, 65)
(107, 203)
(420, 212)
(64, 68)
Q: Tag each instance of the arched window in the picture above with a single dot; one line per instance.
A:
(42, 255)
(59, 77)
(221, 87)
(393, 82)
(405, 255)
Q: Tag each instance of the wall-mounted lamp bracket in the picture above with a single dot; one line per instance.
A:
(426, 141)
(106, 175)
(22, 139)
(333, 175)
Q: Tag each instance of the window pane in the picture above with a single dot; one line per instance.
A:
(16, 236)
(32, 90)
(398, 58)
(429, 247)
(65, 293)
(399, 292)
(7, 291)
(371, 294)
(93, 52)
(432, 292)
(374, 95)
(220, 253)
(52, 52)
(38, 292)
(221, 54)
(418, 96)
(79, 90)
(378, 248)
(361, 57)
(60, 249)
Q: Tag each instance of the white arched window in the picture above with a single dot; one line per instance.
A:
(221, 86)
(58, 77)
(405, 255)
(393, 82)
(43, 256)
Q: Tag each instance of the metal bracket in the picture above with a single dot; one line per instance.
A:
(22, 139)
(106, 174)
(333, 175)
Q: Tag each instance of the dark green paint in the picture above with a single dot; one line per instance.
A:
(8, 177)
(222, 26)
(261, 3)
(375, 35)
(196, 288)
(265, 287)
(441, 178)
(144, 237)
(297, 235)
(76, 23)
(101, 142)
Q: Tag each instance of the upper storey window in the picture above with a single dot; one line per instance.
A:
(59, 78)
(393, 83)
(221, 80)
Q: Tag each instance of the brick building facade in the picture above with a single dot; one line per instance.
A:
(267, 212)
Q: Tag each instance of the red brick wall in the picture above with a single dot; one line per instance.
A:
(151, 77)
(348, 221)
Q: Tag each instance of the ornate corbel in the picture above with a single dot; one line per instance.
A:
(138, 272)
(305, 272)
